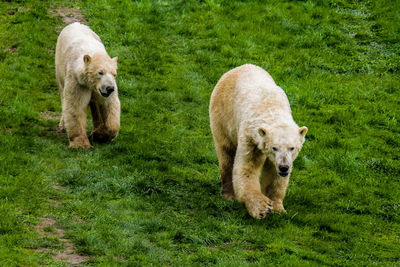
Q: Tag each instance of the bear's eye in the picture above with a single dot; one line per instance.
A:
(274, 148)
(101, 73)
(291, 149)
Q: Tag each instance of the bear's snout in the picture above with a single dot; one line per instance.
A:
(108, 91)
(283, 170)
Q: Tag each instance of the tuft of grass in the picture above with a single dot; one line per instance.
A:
(151, 197)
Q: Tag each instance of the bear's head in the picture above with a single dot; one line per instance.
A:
(101, 71)
(281, 145)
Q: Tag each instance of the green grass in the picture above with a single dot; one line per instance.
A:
(151, 197)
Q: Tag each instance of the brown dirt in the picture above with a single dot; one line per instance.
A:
(49, 115)
(68, 255)
(58, 187)
(13, 49)
(68, 14)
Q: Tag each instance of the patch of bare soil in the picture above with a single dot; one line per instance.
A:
(12, 49)
(68, 255)
(58, 187)
(49, 115)
(68, 14)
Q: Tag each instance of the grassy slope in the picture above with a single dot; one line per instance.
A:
(152, 196)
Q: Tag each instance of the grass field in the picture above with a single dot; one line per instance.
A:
(152, 196)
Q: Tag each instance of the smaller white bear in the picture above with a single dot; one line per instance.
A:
(85, 75)
(255, 137)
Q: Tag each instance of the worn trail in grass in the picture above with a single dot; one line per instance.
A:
(152, 195)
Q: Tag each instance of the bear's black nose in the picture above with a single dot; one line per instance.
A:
(283, 168)
(110, 89)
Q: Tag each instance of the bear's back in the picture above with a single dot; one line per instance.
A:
(77, 39)
(247, 95)
(257, 97)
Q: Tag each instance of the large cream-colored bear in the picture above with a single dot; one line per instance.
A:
(86, 76)
(255, 138)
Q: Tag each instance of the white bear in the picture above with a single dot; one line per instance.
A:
(255, 138)
(86, 76)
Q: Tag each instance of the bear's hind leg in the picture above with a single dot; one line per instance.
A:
(61, 125)
(273, 186)
(226, 157)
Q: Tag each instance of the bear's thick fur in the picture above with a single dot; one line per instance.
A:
(255, 137)
(86, 76)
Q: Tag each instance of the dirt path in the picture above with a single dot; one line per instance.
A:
(68, 14)
(69, 254)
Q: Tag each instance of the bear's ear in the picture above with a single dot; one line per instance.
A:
(303, 130)
(262, 132)
(87, 59)
(115, 59)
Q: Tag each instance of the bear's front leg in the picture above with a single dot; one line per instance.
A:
(246, 170)
(273, 186)
(106, 120)
(75, 123)
(74, 116)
